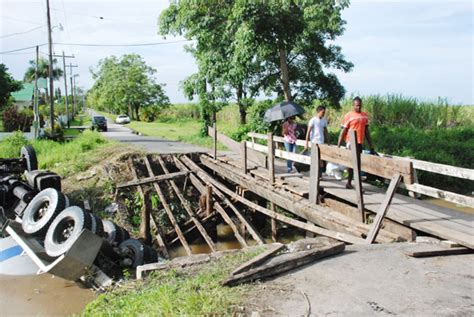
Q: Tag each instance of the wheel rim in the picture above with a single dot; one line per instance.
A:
(64, 230)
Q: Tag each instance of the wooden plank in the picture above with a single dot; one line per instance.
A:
(153, 179)
(284, 263)
(428, 250)
(271, 158)
(296, 223)
(214, 137)
(188, 209)
(169, 212)
(314, 174)
(208, 200)
(443, 169)
(356, 172)
(159, 232)
(243, 153)
(300, 206)
(383, 209)
(381, 166)
(273, 223)
(203, 190)
(441, 194)
(234, 146)
(274, 248)
(145, 212)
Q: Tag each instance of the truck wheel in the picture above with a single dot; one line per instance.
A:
(41, 211)
(151, 256)
(65, 229)
(97, 225)
(111, 231)
(136, 251)
(28, 153)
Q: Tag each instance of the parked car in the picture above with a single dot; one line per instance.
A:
(122, 119)
(99, 123)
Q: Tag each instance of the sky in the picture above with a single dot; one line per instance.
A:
(418, 48)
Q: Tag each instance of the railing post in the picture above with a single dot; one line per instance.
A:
(214, 126)
(356, 169)
(271, 157)
(314, 174)
(243, 153)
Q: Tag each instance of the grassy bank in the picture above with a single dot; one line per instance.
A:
(63, 158)
(186, 292)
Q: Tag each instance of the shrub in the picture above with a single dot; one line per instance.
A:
(13, 120)
(10, 147)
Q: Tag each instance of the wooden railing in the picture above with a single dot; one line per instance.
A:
(383, 165)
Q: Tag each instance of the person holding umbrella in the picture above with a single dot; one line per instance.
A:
(289, 136)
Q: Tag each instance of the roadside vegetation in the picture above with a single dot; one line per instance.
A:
(193, 291)
(64, 158)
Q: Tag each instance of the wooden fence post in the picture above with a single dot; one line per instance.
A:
(271, 157)
(314, 174)
(215, 140)
(356, 169)
(243, 153)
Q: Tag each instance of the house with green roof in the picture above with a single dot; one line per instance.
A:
(24, 97)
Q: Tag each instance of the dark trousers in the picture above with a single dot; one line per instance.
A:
(350, 170)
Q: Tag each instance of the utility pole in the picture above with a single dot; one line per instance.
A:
(65, 85)
(51, 87)
(36, 122)
(72, 88)
(75, 91)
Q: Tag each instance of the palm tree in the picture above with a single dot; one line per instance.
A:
(43, 71)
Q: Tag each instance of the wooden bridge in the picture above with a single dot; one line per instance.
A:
(252, 166)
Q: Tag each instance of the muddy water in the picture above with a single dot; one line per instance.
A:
(41, 295)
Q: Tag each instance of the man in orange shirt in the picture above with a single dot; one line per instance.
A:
(358, 121)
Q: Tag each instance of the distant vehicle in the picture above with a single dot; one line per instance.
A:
(122, 119)
(99, 123)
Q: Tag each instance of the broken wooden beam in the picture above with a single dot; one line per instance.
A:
(188, 209)
(152, 179)
(427, 250)
(205, 177)
(284, 263)
(274, 248)
(356, 172)
(168, 211)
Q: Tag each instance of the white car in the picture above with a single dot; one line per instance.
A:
(122, 119)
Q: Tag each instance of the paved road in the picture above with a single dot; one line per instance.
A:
(123, 134)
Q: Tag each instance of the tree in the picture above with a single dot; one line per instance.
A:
(270, 46)
(43, 70)
(124, 85)
(7, 85)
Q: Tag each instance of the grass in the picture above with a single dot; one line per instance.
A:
(1, 126)
(63, 158)
(178, 292)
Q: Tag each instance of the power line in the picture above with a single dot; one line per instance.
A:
(98, 45)
(18, 33)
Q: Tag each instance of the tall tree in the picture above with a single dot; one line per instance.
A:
(43, 70)
(7, 85)
(271, 46)
(125, 84)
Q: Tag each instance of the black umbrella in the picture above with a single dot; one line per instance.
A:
(282, 110)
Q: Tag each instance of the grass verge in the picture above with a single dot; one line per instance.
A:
(63, 158)
(178, 292)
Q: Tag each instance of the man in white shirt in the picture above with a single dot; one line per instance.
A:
(318, 128)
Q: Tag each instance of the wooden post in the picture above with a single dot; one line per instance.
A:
(274, 223)
(271, 158)
(383, 209)
(356, 168)
(215, 140)
(209, 200)
(243, 153)
(314, 174)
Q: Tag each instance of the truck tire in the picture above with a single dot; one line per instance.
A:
(97, 225)
(151, 256)
(136, 250)
(111, 231)
(41, 211)
(29, 154)
(65, 229)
